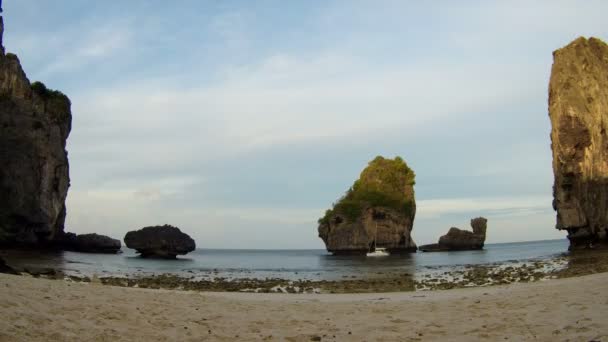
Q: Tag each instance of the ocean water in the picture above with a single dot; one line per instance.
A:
(286, 264)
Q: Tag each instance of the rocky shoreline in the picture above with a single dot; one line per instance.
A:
(563, 266)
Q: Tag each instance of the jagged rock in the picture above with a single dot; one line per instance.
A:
(376, 212)
(34, 175)
(479, 225)
(578, 109)
(4, 268)
(89, 243)
(160, 242)
(461, 240)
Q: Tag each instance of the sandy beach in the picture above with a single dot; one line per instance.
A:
(571, 309)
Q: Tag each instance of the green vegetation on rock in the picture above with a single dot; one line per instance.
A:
(384, 183)
(57, 103)
(46, 93)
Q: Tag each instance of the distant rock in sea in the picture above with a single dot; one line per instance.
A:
(461, 240)
(34, 174)
(376, 212)
(578, 109)
(160, 242)
(89, 243)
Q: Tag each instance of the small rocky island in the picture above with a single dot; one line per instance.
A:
(578, 109)
(376, 212)
(461, 240)
(165, 242)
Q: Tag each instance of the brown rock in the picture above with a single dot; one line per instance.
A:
(461, 240)
(479, 225)
(578, 109)
(160, 242)
(377, 228)
(377, 211)
(89, 243)
(34, 175)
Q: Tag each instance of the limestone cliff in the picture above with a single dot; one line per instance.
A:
(376, 212)
(34, 125)
(578, 109)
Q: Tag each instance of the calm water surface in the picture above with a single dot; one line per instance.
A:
(286, 264)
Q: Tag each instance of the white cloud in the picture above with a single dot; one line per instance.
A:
(93, 47)
(498, 205)
(72, 48)
(285, 99)
(231, 27)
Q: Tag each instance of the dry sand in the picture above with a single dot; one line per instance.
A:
(574, 309)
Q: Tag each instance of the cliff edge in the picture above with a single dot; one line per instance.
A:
(578, 109)
(34, 175)
(376, 212)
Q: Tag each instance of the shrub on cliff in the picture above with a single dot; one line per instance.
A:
(46, 93)
(57, 104)
(384, 183)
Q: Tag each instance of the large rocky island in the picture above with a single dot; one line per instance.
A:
(376, 212)
(578, 109)
(34, 125)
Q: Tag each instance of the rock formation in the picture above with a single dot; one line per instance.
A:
(461, 240)
(376, 212)
(34, 125)
(578, 109)
(160, 242)
(89, 243)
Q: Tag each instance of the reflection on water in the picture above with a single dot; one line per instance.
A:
(582, 262)
(286, 264)
(366, 267)
(35, 260)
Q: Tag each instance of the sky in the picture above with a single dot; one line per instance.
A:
(242, 121)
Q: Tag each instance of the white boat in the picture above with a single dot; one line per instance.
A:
(378, 252)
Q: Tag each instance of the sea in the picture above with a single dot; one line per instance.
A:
(313, 264)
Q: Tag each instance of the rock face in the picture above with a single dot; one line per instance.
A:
(4, 268)
(89, 243)
(34, 175)
(160, 242)
(461, 240)
(376, 212)
(578, 109)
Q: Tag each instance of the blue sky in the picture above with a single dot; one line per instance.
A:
(242, 121)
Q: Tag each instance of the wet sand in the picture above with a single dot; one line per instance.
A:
(34, 309)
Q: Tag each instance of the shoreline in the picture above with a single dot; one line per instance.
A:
(561, 309)
(465, 276)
